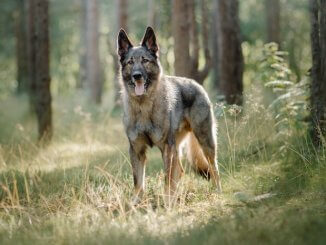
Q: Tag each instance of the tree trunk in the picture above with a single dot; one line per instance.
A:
(83, 44)
(318, 73)
(21, 47)
(122, 20)
(151, 14)
(38, 54)
(194, 41)
(122, 10)
(180, 31)
(273, 20)
(214, 38)
(230, 52)
(93, 71)
(186, 42)
(200, 75)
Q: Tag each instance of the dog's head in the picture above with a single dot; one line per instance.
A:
(140, 67)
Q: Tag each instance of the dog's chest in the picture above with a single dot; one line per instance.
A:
(147, 122)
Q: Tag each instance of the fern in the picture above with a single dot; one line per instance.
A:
(290, 104)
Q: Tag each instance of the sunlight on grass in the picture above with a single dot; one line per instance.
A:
(78, 189)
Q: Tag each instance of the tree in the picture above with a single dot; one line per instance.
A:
(186, 41)
(93, 71)
(181, 37)
(318, 71)
(21, 46)
(122, 16)
(83, 43)
(273, 20)
(195, 73)
(230, 56)
(38, 65)
(215, 46)
(151, 13)
(121, 22)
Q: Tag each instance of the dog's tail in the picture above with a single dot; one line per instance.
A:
(196, 156)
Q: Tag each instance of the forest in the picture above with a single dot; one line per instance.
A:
(66, 176)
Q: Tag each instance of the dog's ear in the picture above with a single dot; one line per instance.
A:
(149, 41)
(123, 44)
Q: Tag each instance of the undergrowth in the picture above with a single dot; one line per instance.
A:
(78, 189)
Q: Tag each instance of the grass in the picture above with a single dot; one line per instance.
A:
(78, 189)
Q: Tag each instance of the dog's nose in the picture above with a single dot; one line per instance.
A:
(137, 75)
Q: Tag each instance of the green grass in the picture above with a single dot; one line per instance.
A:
(78, 189)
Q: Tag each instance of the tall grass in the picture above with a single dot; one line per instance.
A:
(78, 189)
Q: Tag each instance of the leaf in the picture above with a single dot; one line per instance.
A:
(279, 84)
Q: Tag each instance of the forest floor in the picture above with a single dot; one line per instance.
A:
(78, 189)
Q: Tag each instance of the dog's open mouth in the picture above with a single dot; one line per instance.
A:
(139, 88)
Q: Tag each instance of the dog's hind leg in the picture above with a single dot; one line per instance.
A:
(138, 159)
(209, 151)
(213, 167)
(205, 131)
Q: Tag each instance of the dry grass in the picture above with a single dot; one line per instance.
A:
(78, 189)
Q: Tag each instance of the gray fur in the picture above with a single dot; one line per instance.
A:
(170, 108)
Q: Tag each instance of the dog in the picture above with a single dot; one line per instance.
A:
(164, 111)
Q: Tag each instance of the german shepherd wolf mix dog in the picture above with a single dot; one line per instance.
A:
(164, 111)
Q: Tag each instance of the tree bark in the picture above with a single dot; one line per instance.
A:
(151, 14)
(122, 22)
(318, 73)
(93, 71)
(230, 53)
(21, 47)
(83, 46)
(186, 41)
(273, 20)
(200, 75)
(194, 41)
(180, 30)
(122, 10)
(214, 44)
(38, 54)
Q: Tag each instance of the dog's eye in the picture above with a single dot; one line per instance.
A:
(130, 62)
(145, 60)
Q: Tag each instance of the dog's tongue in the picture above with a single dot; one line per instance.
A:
(139, 89)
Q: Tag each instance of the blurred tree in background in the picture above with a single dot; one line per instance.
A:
(318, 71)
(230, 58)
(273, 12)
(122, 22)
(94, 77)
(38, 57)
(186, 39)
(20, 20)
(181, 37)
(81, 82)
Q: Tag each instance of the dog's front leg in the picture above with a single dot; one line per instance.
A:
(138, 160)
(173, 172)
